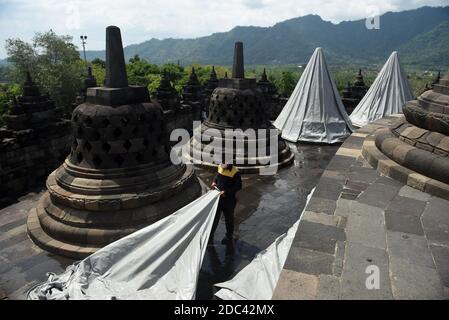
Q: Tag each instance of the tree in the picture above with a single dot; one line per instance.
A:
(154, 82)
(99, 73)
(286, 83)
(134, 59)
(99, 62)
(175, 72)
(7, 92)
(22, 55)
(139, 71)
(4, 73)
(54, 63)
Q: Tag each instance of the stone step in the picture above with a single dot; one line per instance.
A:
(399, 172)
(443, 89)
(40, 238)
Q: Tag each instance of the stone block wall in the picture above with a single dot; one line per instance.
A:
(27, 157)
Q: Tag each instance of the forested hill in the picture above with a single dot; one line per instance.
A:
(420, 35)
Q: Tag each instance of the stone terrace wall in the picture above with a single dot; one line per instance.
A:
(28, 157)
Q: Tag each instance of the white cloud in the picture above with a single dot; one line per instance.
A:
(141, 20)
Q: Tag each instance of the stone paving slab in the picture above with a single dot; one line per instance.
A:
(435, 221)
(415, 282)
(319, 237)
(294, 285)
(413, 193)
(378, 195)
(366, 226)
(353, 279)
(441, 257)
(383, 224)
(311, 262)
(328, 287)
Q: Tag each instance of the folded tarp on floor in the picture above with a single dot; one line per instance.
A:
(386, 96)
(314, 112)
(258, 279)
(161, 261)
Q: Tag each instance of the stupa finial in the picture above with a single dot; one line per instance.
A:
(116, 76)
(264, 76)
(238, 69)
(28, 77)
(213, 74)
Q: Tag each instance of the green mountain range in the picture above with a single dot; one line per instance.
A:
(421, 36)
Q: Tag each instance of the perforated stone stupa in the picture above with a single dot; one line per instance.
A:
(166, 94)
(193, 90)
(192, 96)
(273, 103)
(211, 85)
(237, 103)
(118, 177)
(89, 82)
(354, 93)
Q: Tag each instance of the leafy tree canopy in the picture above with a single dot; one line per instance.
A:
(99, 62)
(53, 61)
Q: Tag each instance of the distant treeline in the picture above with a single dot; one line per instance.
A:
(57, 68)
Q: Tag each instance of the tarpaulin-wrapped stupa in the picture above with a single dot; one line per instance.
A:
(386, 96)
(314, 112)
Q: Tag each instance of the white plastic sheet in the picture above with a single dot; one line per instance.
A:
(386, 96)
(314, 112)
(258, 279)
(161, 261)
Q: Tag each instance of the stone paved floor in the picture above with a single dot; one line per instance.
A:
(22, 264)
(267, 207)
(357, 219)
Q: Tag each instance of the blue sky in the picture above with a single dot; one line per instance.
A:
(141, 20)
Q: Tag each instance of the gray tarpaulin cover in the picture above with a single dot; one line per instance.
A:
(314, 112)
(386, 96)
(161, 261)
(258, 279)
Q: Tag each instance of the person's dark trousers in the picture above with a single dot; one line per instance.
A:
(228, 211)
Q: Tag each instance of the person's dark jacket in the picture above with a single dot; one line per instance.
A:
(230, 182)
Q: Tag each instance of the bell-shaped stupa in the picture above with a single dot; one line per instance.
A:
(386, 96)
(354, 93)
(166, 94)
(273, 103)
(314, 112)
(193, 90)
(237, 105)
(118, 177)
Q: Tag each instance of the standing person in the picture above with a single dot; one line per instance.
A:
(228, 181)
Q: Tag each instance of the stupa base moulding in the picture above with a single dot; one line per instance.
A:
(92, 221)
(395, 155)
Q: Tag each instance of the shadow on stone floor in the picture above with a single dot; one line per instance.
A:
(268, 206)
